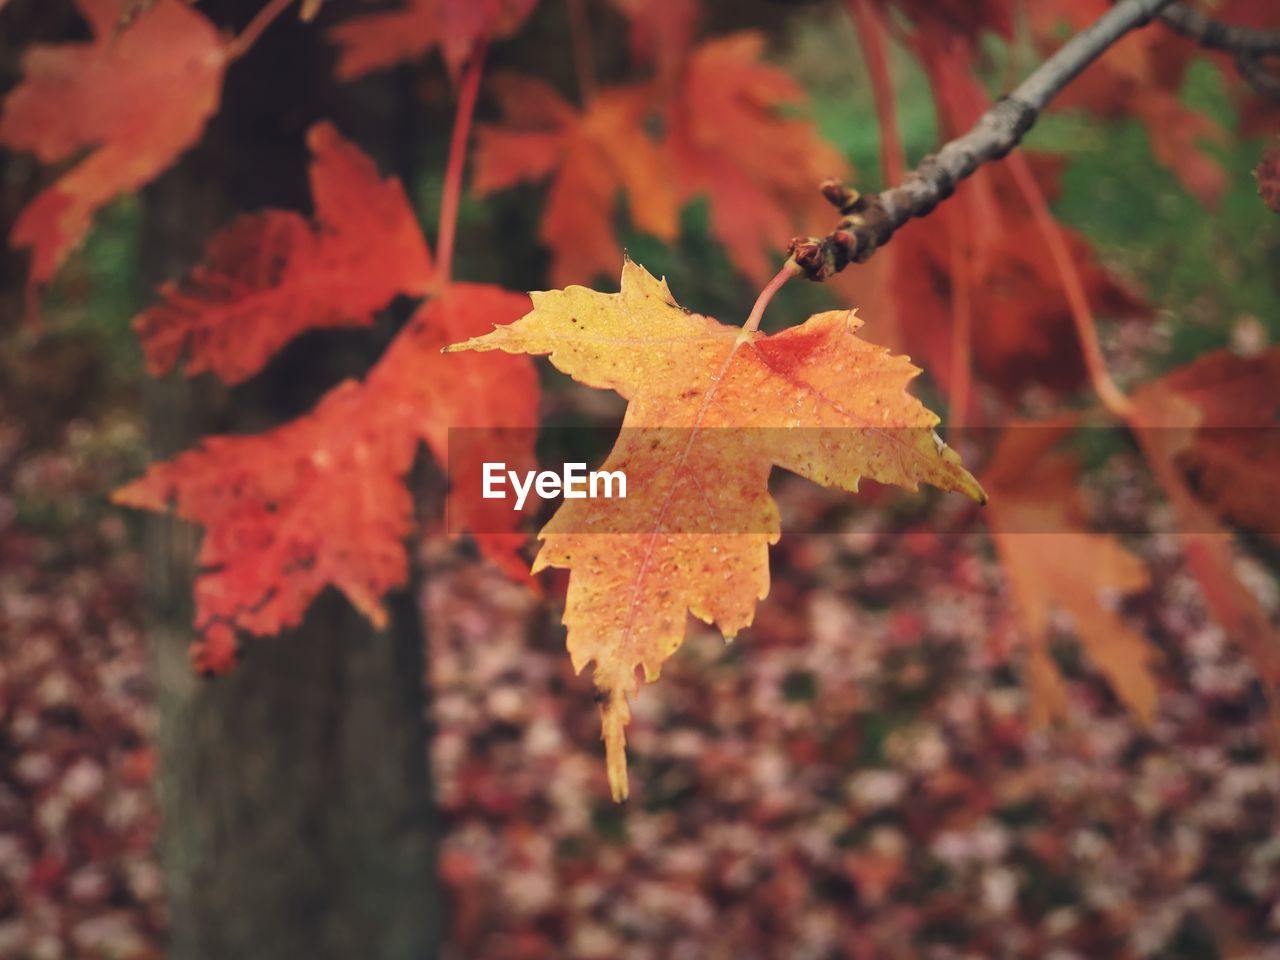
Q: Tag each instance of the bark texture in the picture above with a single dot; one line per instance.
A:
(295, 792)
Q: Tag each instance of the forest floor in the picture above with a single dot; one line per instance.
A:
(854, 776)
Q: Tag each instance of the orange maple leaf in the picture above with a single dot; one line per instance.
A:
(321, 501)
(1053, 562)
(590, 156)
(731, 139)
(135, 102)
(270, 276)
(712, 409)
(374, 41)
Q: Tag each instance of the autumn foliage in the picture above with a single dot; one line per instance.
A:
(993, 296)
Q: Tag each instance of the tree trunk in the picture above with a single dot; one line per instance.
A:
(295, 792)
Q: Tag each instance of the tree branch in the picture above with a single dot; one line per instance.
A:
(1249, 46)
(869, 221)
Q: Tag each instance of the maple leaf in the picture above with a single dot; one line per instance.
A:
(663, 40)
(1026, 333)
(1167, 415)
(1053, 562)
(712, 409)
(321, 500)
(134, 100)
(590, 156)
(270, 276)
(731, 138)
(1268, 176)
(375, 41)
(1231, 459)
(316, 502)
(494, 404)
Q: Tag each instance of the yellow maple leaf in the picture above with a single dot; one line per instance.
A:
(712, 409)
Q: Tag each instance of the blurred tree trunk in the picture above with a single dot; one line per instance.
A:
(295, 792)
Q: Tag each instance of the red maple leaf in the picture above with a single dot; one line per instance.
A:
(1023, 331)
(662, 40)
(271, 275)
(1169, 419)
(590, 156)
(134, 101)
(374, 41)
(321, 500)
(1232, 460)
(730, 139)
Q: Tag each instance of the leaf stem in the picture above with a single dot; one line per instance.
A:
(789, 270)
(246, 38)
(961, 334)
(1112, 397)
(871, 38)
(451, 196)
(584, 65)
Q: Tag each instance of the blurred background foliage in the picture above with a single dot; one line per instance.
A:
(859, 768)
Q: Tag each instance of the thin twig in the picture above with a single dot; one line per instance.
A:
(1112, 397)
(1215, 35)
(247, 37)
(869, 221)
(1266, 82)
(1249, 46)
(961, 333)
(451, 196)
(584, 64)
